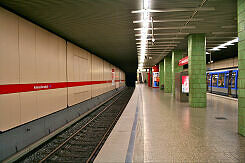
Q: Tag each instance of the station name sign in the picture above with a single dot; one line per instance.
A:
(183, 61)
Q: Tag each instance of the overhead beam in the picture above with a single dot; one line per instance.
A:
(221, 33)
(229, 26)
(221, 37)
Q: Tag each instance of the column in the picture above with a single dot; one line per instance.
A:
(241, 66)
(161, 64)
(176, 56)
(197, 70)
(168, 73)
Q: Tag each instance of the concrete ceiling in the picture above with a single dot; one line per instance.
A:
(106, 28)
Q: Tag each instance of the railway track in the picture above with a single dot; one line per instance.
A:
(83, 140)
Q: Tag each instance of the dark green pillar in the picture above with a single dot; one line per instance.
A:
(176, 56)
(161, 69)
(197, 70)
(241, 66)
(168, 73)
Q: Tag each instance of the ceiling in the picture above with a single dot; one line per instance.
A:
(179, 18)
(106, 28)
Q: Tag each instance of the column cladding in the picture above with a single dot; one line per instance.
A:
(161, 64)
(241, 66)
(176, 56)
(197, 70)
(168, 73)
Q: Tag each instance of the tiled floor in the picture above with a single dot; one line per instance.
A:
(170, 131)
(174, 132)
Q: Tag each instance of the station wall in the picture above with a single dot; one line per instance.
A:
(41, 73)
(230, 62)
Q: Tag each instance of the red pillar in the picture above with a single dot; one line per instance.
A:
(149, 79)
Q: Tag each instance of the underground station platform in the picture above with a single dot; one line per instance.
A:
(122, 81)
(157, 128)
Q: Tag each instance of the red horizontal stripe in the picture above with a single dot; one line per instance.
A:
(16, 88)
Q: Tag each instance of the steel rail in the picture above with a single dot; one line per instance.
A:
(74, 134)
(104, 136)
(33, 146)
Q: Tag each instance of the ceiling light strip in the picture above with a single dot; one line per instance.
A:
(221, 46)
(145, 16)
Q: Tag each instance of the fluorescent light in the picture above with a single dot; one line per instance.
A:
(145, 20)
(164, 34)
(231, 42)
(164, 38)
(163, 42)
(169, 20)
(166, 45)
(176, 10)
(165, 28)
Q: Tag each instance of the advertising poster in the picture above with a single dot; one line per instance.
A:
(185, 84)
(156, 79)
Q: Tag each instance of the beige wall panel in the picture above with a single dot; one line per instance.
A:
(76, 67)
(43, 55)
(79, 64)
(51, 57)
(107, 76)
(60, 99)
(84, 65)
(107, 71)
(112, 67)
(97, 69)
(79, 94)
(10, 111)
(9, 55)
(44, 101)
(98, 89)
(123, 78)
(28, 106)
(70, 62)
(117, 73)
(97, 75)
(53, 47)
(117, 77)
(79, 69)
(27, 51)
(108, 87)
(61, 60)
(49, 101)
(95, 90)
(231, 62)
